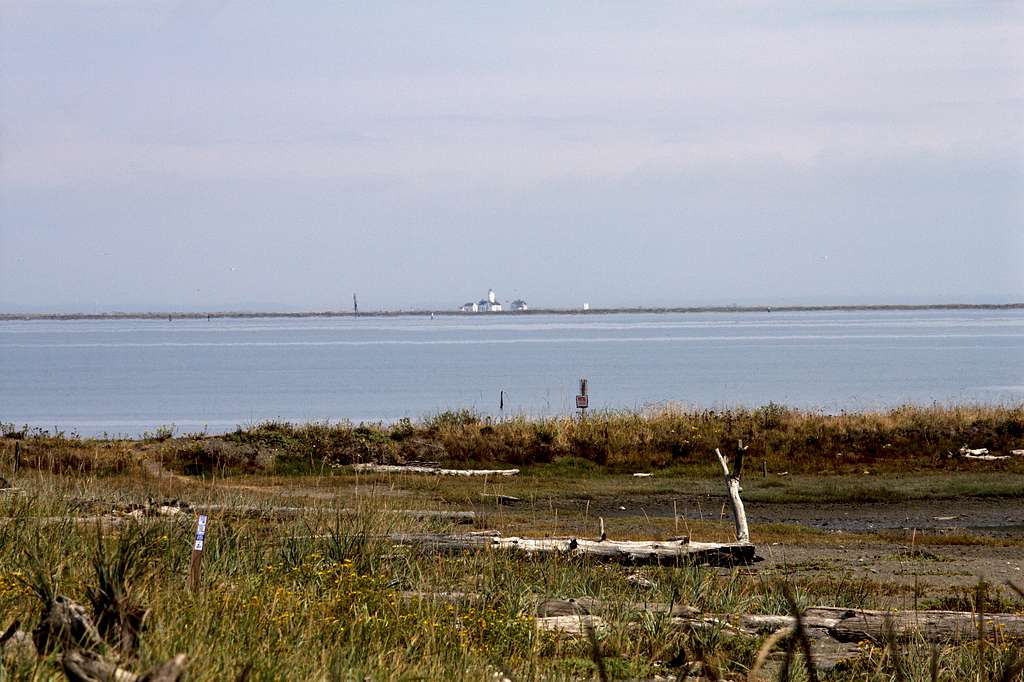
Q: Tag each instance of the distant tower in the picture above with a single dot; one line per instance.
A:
(490, 296)
(355, 305)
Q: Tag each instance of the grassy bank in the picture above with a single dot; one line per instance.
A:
(326, 597)
(780, 439)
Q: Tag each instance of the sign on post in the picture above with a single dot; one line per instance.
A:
(195, 565)
(582, 400)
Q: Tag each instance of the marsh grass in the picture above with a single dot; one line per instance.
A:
(672, 439)
(326, 596)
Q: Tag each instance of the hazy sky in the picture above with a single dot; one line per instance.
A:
(216, 154)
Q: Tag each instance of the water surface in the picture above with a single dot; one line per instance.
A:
(129, 376)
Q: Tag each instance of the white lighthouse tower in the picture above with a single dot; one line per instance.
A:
(491, 304)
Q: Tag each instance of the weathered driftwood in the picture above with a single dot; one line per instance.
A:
(842, 625)
(833, 633)
(629, 552)
(934, 626)
(65, 624)
(830, 634)
(227, 510)
(9, 633)
(845, 625)
(573, 624)
(429, 514)
(622, 551)
(980, 454)
(732, 482)
(16, 646)
(436, 471)
(81, 665)
(500, 499)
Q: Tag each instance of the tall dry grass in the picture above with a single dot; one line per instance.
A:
(784, 438)
(326, 597)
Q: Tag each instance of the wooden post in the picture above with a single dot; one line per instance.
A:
(582, 400)
(195, 565)
(17, 456)
(733, 482)
(764, 469)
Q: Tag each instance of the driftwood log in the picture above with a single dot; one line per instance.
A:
(66, 627)
(436, 471)
(116, 519)
(732, 482)
(426, 514)
(630, 552)
(832, 634)
(841, 625)
(81, 665)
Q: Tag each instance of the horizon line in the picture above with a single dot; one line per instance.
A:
(400, 312)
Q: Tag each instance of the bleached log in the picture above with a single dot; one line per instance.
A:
(88, 666)
(613, 551)
(987, 458)
(934, 626)
(500, 499)
(571, 625)
(436, 471)
(115, 520)
(732, 481)
(838, 624)
(441, 515)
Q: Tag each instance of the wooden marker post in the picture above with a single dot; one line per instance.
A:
(195, 565)
(582, 400)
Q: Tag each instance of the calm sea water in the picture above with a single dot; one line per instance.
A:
(126, 377)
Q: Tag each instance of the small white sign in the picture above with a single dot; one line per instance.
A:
(200, 534)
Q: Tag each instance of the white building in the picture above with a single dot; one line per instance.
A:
(518, 305)
(491, 304)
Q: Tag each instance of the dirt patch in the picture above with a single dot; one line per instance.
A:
(885, 563)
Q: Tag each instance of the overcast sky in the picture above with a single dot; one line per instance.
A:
(221, 154)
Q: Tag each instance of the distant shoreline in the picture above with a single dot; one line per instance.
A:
(156, 315)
